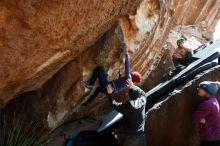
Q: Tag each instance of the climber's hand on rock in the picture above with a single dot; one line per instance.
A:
(129, 83)
(109, 89)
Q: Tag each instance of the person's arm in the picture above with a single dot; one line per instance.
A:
(127, 67)
(201, 113)
(118, 106)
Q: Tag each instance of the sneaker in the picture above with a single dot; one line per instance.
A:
(86, 99)
(89, 87)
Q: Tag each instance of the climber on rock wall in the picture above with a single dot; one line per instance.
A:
(118, 84)
(133, 111)
(182, 55)
(207, 115)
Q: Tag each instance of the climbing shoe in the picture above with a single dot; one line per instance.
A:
(88, 87)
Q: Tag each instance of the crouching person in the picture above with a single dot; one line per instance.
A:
(207, 115)
(133, 111)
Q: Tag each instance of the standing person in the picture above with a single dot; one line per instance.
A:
(207, 115)
(133, 112)
(118, 84)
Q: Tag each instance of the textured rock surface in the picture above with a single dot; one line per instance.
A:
(39, 37)
(50, 47)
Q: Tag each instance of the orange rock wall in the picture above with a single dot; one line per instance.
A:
(49, 47)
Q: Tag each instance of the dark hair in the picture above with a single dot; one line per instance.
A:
(134, 93)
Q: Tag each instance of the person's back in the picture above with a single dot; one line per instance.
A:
(134, 115)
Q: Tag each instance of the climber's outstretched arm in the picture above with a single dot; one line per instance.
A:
(127, 67)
